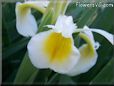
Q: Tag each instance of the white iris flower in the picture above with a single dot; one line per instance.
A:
(54, 49)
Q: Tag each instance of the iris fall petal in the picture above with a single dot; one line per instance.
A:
(51, 50)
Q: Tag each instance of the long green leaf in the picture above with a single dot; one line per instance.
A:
(42, 76)
(47, 17)
(64, 80)
(15, 47)
(106, 75)
(32, 77)
(25, 71)
(87, 17)
(54, 79)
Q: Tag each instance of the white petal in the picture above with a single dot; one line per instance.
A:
(65, 25)
(84, 64)
(107, 35)
(68, 64)
(35, 51)
(88, 54)
(40, 59)
(25, 21)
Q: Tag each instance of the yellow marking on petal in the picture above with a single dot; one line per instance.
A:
(23, 9)
(88, 49)
(57, 47)
(26, 7)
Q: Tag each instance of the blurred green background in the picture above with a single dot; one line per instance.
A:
(14, 47)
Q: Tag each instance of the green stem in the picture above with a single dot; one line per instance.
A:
(64, 7)
(60, 8)
(47, 16)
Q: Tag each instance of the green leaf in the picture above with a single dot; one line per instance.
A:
(9, 31)
(59, 8)
(15, 47)
(74, 11)
(87, 17)
(43, 76)
(47, 17)
(26, 71)
(60, 79)
(66, 80)
(106, 75)
(32, 77)
(54, 79)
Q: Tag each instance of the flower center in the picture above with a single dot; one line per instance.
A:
(57, 47)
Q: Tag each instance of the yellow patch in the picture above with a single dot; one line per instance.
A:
(23, 10)
(57, 47)
(87, 51)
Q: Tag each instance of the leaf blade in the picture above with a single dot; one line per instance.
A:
(106, 75)
(25, 71)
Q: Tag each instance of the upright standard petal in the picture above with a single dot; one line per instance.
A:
(64, 25)
(51, 50)
(25, 21)
(88, 55)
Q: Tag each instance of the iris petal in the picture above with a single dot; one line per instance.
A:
(25, 21)
(88, 55)
(85, 63)
(64, 25)
(107, 35)
(51, 50)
